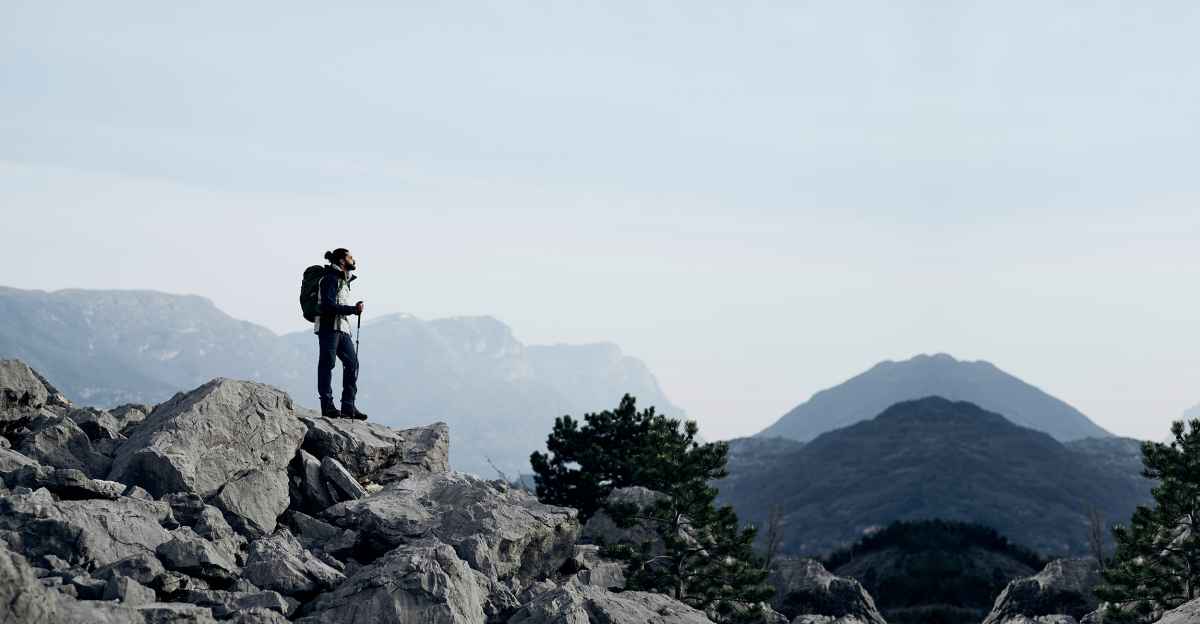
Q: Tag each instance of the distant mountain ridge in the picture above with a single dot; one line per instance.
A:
(1193, 412)
(935, 458)
(887, 383)
(499, 396)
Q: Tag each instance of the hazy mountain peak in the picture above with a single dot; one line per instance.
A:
(1194, 412)
(940, 374)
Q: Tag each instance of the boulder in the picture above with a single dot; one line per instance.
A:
(803, 587)
(227, 441)
(282, 564)
(11, 460)
(66, 483)
(226, 603)
(83, 532)
(320, 536)
(585, 603)
(1063, 587)
(128, 591)
(419, 582)
(23, 387)
(55, 440)
(143, 568)
(313, 495)
(591, 569)
(191, 554)
(373, 452)
(256, 615)
(503, 532)
(1187, 613)
(343, 482)
(174, 613)
(129, 415)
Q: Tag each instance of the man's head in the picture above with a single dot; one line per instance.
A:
(341, 258)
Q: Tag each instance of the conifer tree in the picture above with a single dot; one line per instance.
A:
(1157, 562)
(698, 554)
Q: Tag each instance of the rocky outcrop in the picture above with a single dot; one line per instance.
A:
(810, 594)
(1063, 589)
(375, 453)
(211, 511)
(1188, 613)
(21, 387)
(503, 532)
(228, 441)
(424, 581)
(585, 603)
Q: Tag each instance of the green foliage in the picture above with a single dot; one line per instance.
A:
(933, 570)
(1157, 561)
(697, 553)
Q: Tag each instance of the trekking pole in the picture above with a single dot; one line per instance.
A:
(357, 334)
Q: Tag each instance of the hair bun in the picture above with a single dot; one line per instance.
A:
(329, 256)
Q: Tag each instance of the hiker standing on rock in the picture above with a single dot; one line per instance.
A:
(333, 330)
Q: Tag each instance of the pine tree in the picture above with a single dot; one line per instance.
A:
(700, 555)
(1157, 562)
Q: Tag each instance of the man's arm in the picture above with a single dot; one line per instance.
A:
(328, 299)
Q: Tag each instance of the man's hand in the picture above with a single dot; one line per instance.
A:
(358, 308)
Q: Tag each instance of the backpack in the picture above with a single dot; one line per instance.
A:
(308, 292)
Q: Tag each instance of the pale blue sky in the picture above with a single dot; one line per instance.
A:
(759, 200)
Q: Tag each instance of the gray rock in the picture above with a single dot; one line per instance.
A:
(602, 529)
(585, 603)
(314, 496)
(1064, 587)
(55, 440)
(282, 564)
(256, 616)
(504, 533)
(175, 613)
(143, 568)
(191, 554)
(227, 441)
(96, 423)
(11, 460)
(87, 587)
(129, 416)
(321, 537)
(1188, 613)
(23, 600)
(84, 532)
(341, 479)
(591, 569)
(419, 582)
(23, 387)
(373, 452)
(128, 591)
(66, 483)
(807, 582)
(226, 603)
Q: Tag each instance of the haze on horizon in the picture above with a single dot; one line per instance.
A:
(758, 201)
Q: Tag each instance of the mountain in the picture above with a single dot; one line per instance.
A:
(890, 382)
(499, 396)
(1194, 412)
(933, 458)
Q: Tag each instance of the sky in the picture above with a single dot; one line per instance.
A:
(758, 199)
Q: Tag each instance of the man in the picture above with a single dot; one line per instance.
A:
(334, 333)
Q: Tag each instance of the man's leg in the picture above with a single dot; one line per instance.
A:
(349, 358)
(328, 341)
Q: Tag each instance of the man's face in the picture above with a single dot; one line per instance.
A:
(349, 262)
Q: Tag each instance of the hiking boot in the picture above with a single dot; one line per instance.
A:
(353, 413)
(329, 411)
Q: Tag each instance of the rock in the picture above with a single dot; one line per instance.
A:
(1187, 613)
(129, 416)
(226, 603)
(803, 587)
(23, 387)
(227, 441)
(96, 423)
(373, 452)
(314, 496)
(24, 600)
(584, 603)
(342, 480)
(256, 616)
(322, 537)
(419, 582)
(602, 529)
(143, 568)
(55, 440)
(1063, 587)
(66, 483)
(84, 532)
(254, 500)
(88, 587)
(191, 554)
(128, 591)
(175, 613)
(211, 525)
(590, 569)
(504, 533)
(11, 460)
(280, 563)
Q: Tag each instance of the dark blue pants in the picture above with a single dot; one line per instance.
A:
(340, 345)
